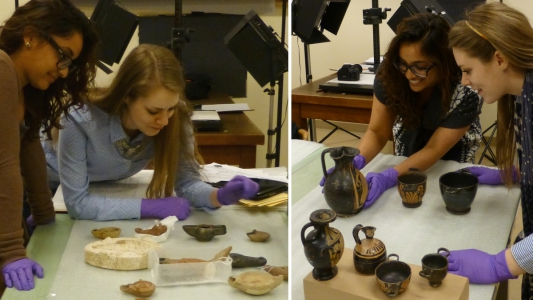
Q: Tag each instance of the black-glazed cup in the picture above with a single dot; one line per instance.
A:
(435, 267)
(458, 190)
(393, 276)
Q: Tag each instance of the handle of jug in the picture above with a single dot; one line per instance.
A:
(355, 233)
(323, 162)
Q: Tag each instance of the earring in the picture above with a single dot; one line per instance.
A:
(28, 45)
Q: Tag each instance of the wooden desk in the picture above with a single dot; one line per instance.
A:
(237, 142)
(309, 102)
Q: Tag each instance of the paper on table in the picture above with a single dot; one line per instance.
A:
(270, 201)
(227, 107)
(364, 79)
(217, 172)
(205, 115)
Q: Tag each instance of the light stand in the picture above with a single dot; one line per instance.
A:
(266, 59)
(374, 16)
(179, 35)
(309, 19)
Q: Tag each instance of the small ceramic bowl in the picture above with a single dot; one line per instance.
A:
(103, 233)
(393, 276)
(458, 190)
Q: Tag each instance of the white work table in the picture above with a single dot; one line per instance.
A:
(409, 232)
(59, 248)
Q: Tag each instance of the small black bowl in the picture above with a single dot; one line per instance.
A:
(458, 190)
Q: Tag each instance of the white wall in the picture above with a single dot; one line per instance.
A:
(353, 44)
(269, 11)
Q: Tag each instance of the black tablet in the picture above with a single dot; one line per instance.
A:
(267, 187)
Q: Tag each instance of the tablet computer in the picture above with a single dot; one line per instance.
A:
(267, 187)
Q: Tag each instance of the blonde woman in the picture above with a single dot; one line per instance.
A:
(142, 115)
(494, 49)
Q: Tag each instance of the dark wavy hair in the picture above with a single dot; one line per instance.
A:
(61, 18)
(432, 33)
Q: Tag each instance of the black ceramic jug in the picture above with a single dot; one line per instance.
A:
(345, 188)
(324, 245)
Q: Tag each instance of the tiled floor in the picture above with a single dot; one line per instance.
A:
(340, 138)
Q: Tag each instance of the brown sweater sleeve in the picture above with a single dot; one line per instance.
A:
(33, 169)
(11, 242)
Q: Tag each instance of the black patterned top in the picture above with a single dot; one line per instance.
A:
(465, 109)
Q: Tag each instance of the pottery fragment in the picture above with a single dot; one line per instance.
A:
(156, 230)
(276, 271)
(141, 288)
(224, 253)
(258, 236)
(242, 261)
(106, 232)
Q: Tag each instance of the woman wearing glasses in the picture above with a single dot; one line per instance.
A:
(40, 44)
(420, 104)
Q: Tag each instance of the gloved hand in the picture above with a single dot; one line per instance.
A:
(19, 274)
(165, 207)
(32, 224)
(489, 176)
(378, 183)
(479, 266)
(239, 187)
(358, 162)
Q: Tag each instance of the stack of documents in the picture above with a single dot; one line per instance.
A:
(268, 202)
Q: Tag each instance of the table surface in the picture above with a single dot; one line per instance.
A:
(412, 232)
(308, 101)
(59, 248)
(235, 143)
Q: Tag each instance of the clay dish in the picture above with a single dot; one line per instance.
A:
(141, 288)
(255, 282)
(102, 233)
(258, 236)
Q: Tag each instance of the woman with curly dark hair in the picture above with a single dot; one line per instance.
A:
(420, 104)
(47, 63)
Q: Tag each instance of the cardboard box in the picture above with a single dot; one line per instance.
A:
(351, 285)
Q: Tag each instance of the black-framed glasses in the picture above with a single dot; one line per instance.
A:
(417, 70)
(64, 60)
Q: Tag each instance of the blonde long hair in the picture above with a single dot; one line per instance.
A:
(146, 67)
(487, 28)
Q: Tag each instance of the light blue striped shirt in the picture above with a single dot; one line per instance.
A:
(523, 253)
(86, 153)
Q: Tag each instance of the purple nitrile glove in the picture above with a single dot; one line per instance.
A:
(489, 176)
(479, 266)
(358, 162)
(30, 222)
(19, 274)
(239, 187)
(378, 183)
(165, 207)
